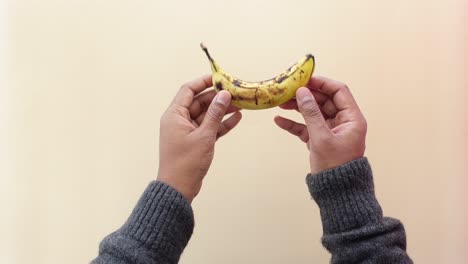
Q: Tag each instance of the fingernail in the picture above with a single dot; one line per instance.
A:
(303, 95)
(223, 98)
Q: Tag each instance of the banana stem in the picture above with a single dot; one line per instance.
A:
(205, 49)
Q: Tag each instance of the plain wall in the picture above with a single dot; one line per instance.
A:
(88, 81)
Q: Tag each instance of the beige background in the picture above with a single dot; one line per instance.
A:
(88, 81)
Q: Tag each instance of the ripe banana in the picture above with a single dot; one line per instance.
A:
(264, 94)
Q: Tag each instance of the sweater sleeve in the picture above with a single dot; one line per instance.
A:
(157, 230)
(354, 229)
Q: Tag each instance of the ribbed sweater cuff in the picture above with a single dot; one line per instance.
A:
(345, 196)
(162, 220)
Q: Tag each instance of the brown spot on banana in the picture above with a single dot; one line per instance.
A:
(300, 74)
(275, 90)
(241, 98)
(256, 99)
(247, 99)
(236, 82)
(219, 86)
(281, 78)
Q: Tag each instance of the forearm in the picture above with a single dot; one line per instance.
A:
(157, 231)
(354, 229)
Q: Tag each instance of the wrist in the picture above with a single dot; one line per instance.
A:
(187, 190)
(319, 164)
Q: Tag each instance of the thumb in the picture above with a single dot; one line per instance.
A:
(310, 110)
(215, 113)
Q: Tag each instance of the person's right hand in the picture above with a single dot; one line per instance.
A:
(335, 129)
(190, 128)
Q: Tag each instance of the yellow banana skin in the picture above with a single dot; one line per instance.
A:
(264, 94)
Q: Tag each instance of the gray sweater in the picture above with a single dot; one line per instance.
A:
(354, 230)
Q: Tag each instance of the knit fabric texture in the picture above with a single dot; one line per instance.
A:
(354, 229)
(157, 231)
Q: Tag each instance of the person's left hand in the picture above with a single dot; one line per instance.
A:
(188, 131)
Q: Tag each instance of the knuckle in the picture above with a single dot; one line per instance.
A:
(364, 123)
(178, 110)
(342, 85)
(184, 112)
(214, 113)
(163, 119)
(311, 109)
(345, 87)
(289, 125)
(185, 86)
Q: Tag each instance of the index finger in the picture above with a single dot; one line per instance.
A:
(188, 91)
(337, 91)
